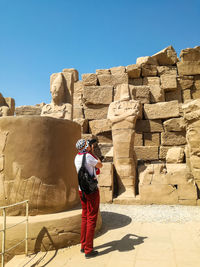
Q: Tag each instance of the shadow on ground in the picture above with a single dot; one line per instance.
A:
(126, 243)
(112, 220)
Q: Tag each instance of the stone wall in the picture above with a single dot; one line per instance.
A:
(162, 83)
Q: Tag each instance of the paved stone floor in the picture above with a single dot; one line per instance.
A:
(123, 242)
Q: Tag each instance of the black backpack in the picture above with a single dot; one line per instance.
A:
(86, 181)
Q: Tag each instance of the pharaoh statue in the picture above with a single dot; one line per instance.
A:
(58, 108)
(123, 114)
(192, 117)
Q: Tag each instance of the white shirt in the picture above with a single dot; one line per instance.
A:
(90, 163)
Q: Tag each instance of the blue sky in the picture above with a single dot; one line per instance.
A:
(41, 37)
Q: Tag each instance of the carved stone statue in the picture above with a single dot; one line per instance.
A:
(58, 108)
(123, 114)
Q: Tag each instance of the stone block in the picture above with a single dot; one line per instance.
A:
(104, 148)
(151, 81)
(109, 156)
(187, 191)
(146, 152)
(140, 93)
(83, 123)
(11, 104)
(195, 93)
(78, 88)
(197, 82)
(98, 95)
(173, 138)
(170, 70)
(138, 141)
(177, 174)
(89, 79)
(96, 112)
(105, 178)
(185, 82)
(188, 68)
(161, 110)
(149, 126)
(28, 110)
(149, 70)
(158, 194)
(74, 73)
(105, 137)
(168, 82)
(156, 94)
(151, 139)
(167, 56)
(163, 152)
(190, 54)
(186, 95)
(136, 81)
(146, 60)
(119, 79)
(187, 202)
(106, 194)
(99, 126)
(174, 125)
(133, 71)
(105, 79)
(102, 71)
(175, 155)
(118, 70)
(174, 95)
(78, 113)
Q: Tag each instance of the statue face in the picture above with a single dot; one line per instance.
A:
(57, 89)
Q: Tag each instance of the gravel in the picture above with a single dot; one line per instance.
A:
(150, 213)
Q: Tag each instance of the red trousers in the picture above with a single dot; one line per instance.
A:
(89, 218)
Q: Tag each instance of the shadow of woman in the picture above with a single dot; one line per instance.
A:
(126, 243)
(112, 220)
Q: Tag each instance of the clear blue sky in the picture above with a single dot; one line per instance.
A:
(40, 37)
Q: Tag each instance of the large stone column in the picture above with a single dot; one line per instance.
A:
(123, 114)
(192, 117)
(37, 163)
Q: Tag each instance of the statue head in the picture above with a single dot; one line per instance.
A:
(57, 90)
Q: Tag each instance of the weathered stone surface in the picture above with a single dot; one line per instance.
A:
(98, 95)
(196, 82)
(28, 110)
(162, 110)
(78, 88)
(105, 137)
(133, 71)
(173, 138)
(187, 191)
(146, 60)
(146, 152)
(151, 81)
(190, 54)
(105, 79)
(32, 139)
(188, 68)
(78, 113)
(89, 79)
(96, 112)
(195, 93)
(11, 104)
(175, 155)
(170, 70)
(163, 151)
(149, 70)
(109, 155)
(156, 94)
(140, 93)
(63, 111)
(99, 126)
(118, 70)
(138, 139)
(186, 95)
(177, 173)
(167, 56)
(168, 82)
(151, 139)
(112, 79)
(154, 194)
(174, 125)
(74, 73)
(192, 110)
(2, 100)
(83, 123)
(136, 81)
(102, 71)
(105, 177)
(174, 95)
(104, 148)
(149, 126)
(106, 194)
(185, 82)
